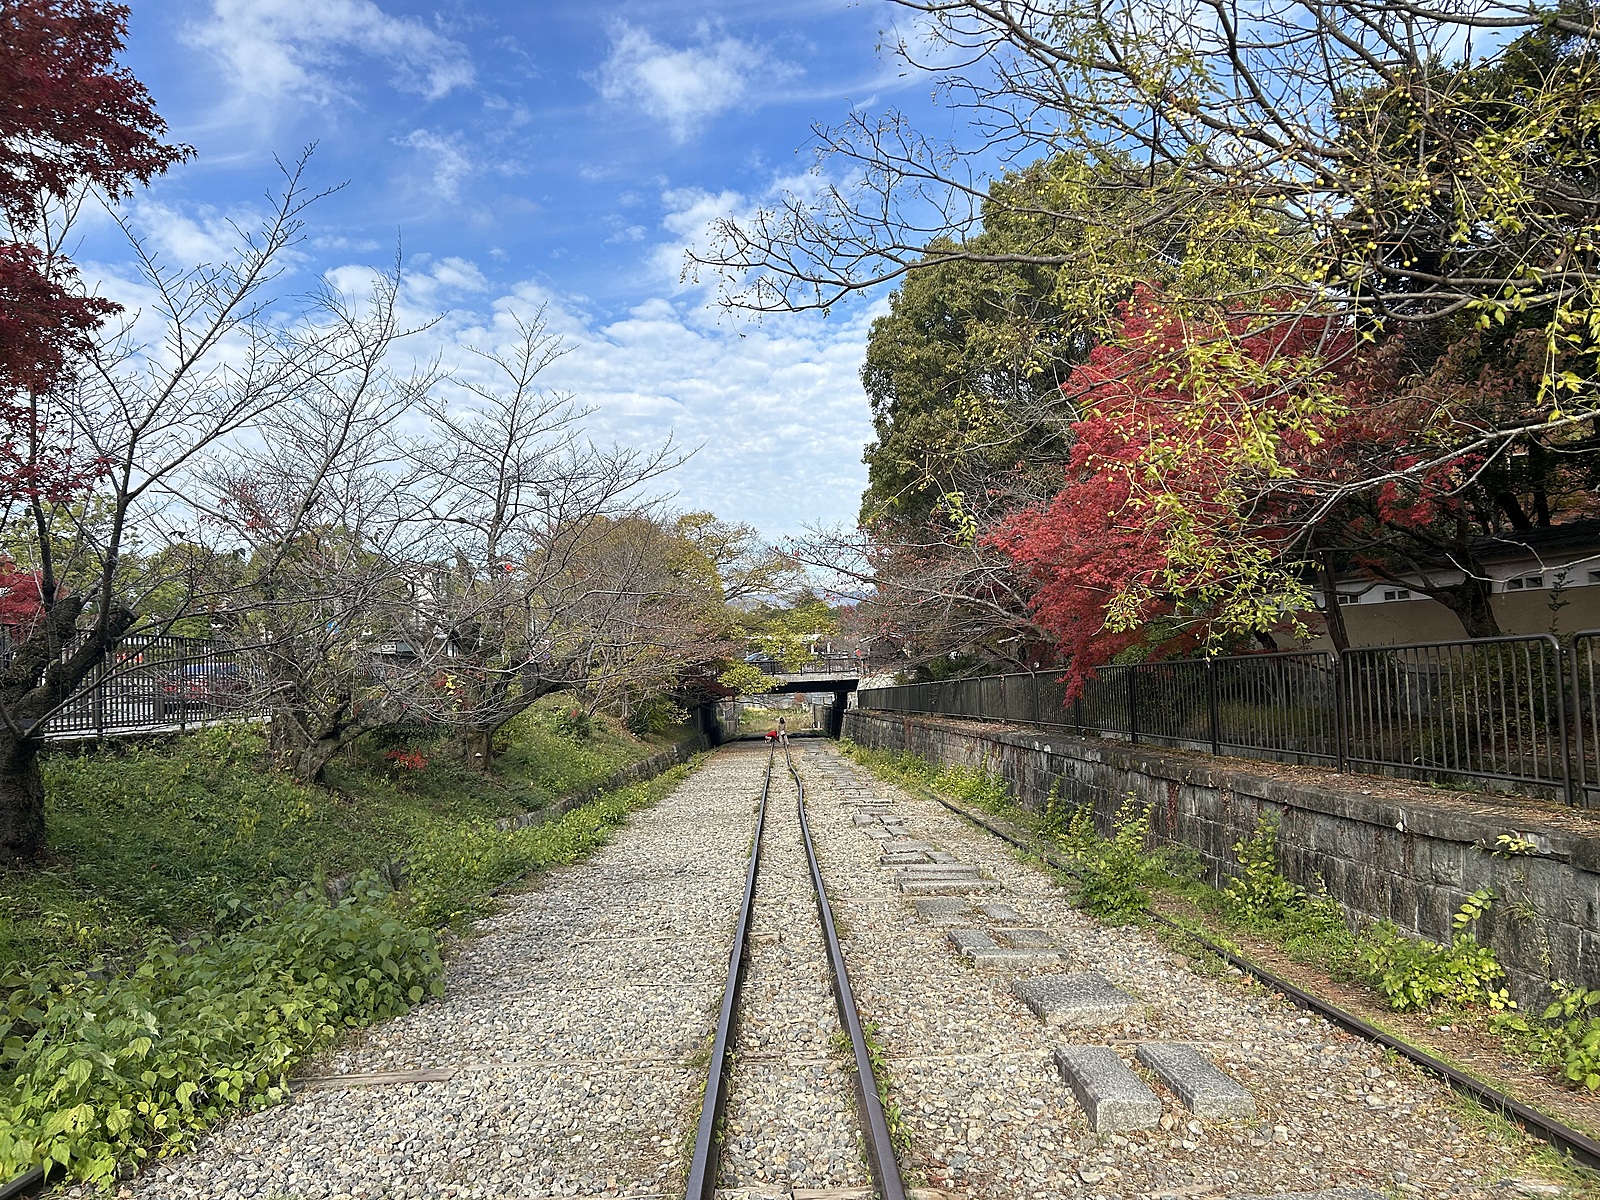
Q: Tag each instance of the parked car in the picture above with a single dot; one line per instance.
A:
(212, 684)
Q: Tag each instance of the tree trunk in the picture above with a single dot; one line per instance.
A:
(285, 741)
(314, 757)
(1333, 613)
(477, 747)
(22, 837)
(1469, 600)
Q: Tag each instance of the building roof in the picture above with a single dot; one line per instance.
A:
(1575, 539)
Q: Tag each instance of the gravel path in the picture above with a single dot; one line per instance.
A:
(789, 1120)
(566, 1057)
(971, 1066)
(562, 1060)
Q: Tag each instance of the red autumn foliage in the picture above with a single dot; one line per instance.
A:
(19, 597)
(1099, 537)
(70, 118)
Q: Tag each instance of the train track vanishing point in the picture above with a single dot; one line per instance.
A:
(879, 1149)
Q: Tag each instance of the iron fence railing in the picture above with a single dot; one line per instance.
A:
(1522, 712)
(160, 682)
(150, 683)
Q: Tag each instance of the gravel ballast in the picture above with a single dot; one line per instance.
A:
(571, 1030)
(972, 1067)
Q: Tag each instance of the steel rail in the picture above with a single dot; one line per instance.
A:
(26, 1184)
(1576, 1144)
(702, 1177)
(875, 1126)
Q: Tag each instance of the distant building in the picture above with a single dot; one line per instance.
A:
(1542, 581)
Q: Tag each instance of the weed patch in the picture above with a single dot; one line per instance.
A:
(1415, 973)
(100, 1070)
(1565, 1036)
(160, 971)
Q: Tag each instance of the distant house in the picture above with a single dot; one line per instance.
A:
(1542, 581)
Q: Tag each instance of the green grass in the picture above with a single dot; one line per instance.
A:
(195, 833)
(178, 959)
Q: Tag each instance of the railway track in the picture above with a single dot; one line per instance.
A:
(1035, 1054)
(771, 866)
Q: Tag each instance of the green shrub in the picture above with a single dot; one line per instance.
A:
(96, 1070)
(1259, 892)
(1117, 869)
(1414, 973)
(575, 723)
(1566, 1035)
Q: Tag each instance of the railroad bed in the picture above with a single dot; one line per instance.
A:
(1032, 1052)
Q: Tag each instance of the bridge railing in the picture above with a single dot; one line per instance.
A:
(823, 664)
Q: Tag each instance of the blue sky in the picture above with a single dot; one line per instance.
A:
(558, 152)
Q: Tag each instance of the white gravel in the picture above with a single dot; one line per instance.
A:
(789, 1118)
(570, 1035)
(971, 1066)
(566, 1057)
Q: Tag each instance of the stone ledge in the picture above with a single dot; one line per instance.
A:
(1566, 835)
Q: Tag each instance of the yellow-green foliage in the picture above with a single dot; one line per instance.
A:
(747, 679)
(1565, 1036)
(1415, 973)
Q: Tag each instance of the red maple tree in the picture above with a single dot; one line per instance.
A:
(71, 119)
(1158, 500)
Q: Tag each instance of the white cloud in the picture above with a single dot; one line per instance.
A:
(451, 163)
(776, 408)
(685, 87)
(688, 216)
(184, 239)
(300, 48)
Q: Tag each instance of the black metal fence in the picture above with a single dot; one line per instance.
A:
(1523, 712)
(159, 683)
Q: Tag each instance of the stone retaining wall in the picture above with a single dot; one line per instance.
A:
(1382, 847)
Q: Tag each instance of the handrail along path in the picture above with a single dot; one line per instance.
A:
(703, 1166)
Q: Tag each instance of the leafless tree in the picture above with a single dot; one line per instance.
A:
(530, 583)
(319, 500)
(143, 409)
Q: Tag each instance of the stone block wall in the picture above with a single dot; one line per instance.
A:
(1383, 848)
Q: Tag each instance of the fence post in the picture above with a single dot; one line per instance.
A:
(1580, 758)
(1133, 705)
(1562, 694)
(1341, 726)
(1211, 706)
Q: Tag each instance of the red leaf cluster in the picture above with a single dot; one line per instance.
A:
(19, 598)
(406, 760)
(1103, 536)
(70, 118)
